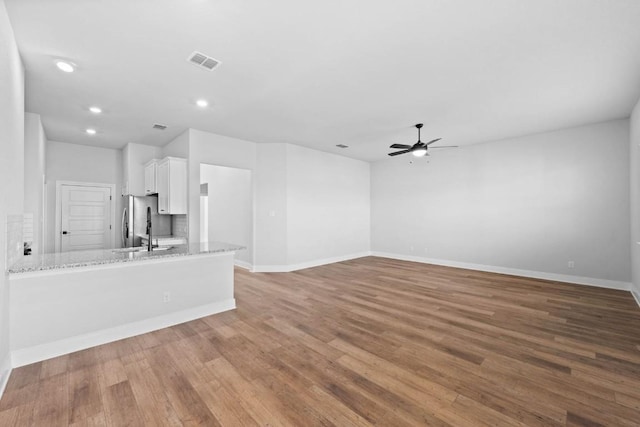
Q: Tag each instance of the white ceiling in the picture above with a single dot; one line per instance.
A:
(329, 72)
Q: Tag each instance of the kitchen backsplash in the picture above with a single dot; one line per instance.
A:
(179, 225)
(27, 232)
(15, 243)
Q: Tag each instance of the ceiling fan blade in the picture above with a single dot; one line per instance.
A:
(445, 146)
(435, 140)
(399, 152)
(403, 146)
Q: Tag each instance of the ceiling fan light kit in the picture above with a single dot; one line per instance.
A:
(419, 152)
(419, 149)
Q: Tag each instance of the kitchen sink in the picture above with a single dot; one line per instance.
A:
(126, 250)
(139, 249)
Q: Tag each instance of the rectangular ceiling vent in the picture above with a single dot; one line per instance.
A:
(203, 61)
(159, 126)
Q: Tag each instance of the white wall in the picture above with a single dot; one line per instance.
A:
(81, 163)
(209, 148)
(135, 156)
(271, 205)
(11, 165)
(178, 147)
(531, 203)
(634, 149)
(328, 209)
(310, 207)
(34, 177)
(230, 207)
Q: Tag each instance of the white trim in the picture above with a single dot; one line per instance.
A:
(242, 264)
(590, 281)
(111, 187)
(306, 264)
(5, 372)
(273, 268)
(636, 296)
(26, 356)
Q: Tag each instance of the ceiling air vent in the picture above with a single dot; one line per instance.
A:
(203, 61)
(342, 146)
(159, 126)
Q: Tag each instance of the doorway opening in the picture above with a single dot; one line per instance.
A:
(226, 210)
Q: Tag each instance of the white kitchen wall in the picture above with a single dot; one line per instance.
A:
(328, 206)
(80, 163)
(178, 147)
(532, 203)
(34, 176)
(135, 156)
(11, 166)
(230, 207)
(634, 149)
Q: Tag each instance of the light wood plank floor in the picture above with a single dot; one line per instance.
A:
(366, 342)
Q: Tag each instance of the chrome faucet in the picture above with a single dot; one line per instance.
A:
(150, 247)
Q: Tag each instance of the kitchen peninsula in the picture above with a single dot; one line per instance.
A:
(70, 301)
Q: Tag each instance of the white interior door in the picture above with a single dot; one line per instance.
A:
(85, 217)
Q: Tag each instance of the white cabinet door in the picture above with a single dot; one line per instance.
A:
(150, 177)
(171, 183)
(162, 183)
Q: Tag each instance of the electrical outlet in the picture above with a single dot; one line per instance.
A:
(571, 264)
(411, 248)
(166, 297)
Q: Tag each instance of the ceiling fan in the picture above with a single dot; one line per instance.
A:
(419, 149)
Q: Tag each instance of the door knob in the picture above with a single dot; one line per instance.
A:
(65, 232)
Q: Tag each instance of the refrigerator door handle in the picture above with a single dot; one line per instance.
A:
(124, 228)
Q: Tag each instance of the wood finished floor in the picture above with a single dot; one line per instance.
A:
(366, 342)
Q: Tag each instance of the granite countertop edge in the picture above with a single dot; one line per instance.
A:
(48, 262)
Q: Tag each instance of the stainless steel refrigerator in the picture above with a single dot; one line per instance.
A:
(134, 220)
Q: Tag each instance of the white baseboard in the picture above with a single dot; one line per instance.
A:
(242, 264)
(5, 372)
(636, 296)
(25, 356)
(307, 264)
(590, 281)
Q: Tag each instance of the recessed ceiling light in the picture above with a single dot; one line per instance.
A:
(95, 110)
(65, 66)
(202, 103)
(91, 131)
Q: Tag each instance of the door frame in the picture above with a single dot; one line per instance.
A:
(58, 221)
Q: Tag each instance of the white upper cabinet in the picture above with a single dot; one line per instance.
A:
(150, 177)
(171, 185)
